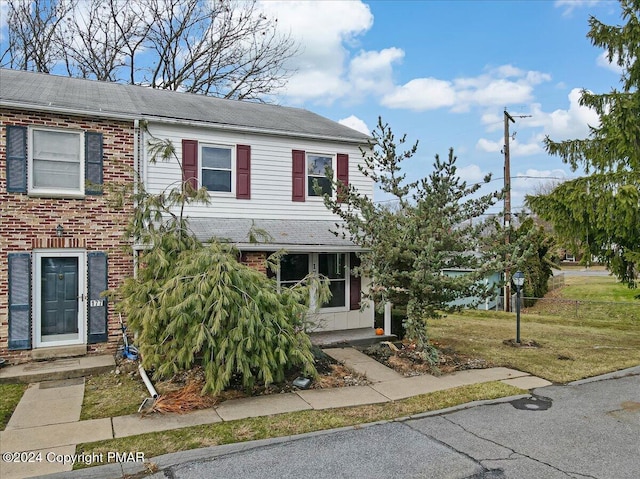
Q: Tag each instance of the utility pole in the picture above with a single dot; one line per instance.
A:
(507, 206)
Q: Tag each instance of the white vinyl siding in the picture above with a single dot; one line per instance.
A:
(271, 174)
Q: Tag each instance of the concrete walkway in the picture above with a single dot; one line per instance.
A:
(46, 420)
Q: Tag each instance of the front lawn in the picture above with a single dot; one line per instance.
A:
(10, 395)
(578, 338)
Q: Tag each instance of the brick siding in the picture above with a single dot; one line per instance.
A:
(89, 223)
(256, 260)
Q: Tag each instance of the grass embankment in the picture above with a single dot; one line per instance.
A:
(10, 395)
(578, 340)
(154, 444)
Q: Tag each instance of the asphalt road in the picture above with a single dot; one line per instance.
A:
(583, 430)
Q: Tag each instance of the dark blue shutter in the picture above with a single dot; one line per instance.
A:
(93, 163)
(16, 159)
(19, 300)
(97, 304)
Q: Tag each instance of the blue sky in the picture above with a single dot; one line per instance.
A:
(443, 71)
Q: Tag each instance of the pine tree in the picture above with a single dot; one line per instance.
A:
(433, 224)
(600, 213)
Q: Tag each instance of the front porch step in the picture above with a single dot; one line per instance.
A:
(57, 369)
(57, 352)
(348, 337)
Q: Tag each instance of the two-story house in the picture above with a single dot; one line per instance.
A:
(64, 141)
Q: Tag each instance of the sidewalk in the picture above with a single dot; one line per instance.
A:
(47, 421)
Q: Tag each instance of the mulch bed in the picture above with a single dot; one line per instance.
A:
(409, 362)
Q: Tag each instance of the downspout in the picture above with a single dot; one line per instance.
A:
(147, 382)
(136, 177)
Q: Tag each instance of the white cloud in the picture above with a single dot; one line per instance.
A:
(421, 94)
(471, 174)
(372, 71)
(518, 148)
(571, 5)
(564, 124)
(322, 30)
(503, 85)
(492, 121)
(603, 61)
(355, 123)
(489, 146)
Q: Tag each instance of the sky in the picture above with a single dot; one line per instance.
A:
(442, 72)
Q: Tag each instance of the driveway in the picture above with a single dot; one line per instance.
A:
(588, 429)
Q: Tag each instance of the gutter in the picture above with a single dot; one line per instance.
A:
(68, 111)
(247, 129)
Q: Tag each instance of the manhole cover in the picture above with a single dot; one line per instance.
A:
(533, 403)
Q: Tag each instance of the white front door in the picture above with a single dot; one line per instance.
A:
(59, 294)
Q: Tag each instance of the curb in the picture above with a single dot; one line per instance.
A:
(119, 471)
(632, 371)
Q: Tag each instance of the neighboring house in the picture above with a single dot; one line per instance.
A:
(63, 141)
(492, 283)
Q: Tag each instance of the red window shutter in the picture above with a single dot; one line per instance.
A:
(355, 284)
(243, 172)
(190, 162)
(343, 175)
(298, 175)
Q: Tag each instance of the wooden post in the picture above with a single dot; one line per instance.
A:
(387, 318)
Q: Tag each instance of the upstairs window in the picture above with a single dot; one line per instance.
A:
(317, 168)
(56, 162)
(217, 168)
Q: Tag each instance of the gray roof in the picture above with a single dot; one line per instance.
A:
(42, 91)
(294, 235)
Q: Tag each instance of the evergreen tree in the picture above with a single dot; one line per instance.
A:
(600, 213)
(434, 224)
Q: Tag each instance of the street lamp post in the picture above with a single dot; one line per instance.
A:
(518, 281)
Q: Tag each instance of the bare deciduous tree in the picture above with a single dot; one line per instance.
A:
(33, 33)
(101, 40)
(225, 48)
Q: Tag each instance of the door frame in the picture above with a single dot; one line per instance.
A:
(37, 291)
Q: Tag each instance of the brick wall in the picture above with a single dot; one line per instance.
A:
(256, 260)
(89, 223)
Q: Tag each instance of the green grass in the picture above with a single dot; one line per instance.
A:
(570, 350)
(10, 395)
(579, 339)
(110, 395)
(155, 444)
(597, 288)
